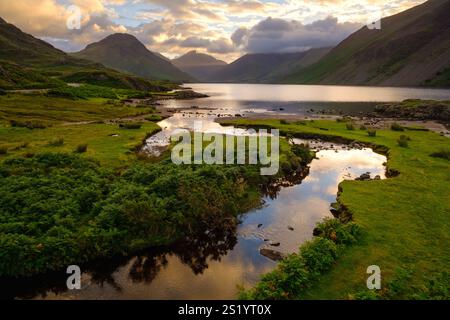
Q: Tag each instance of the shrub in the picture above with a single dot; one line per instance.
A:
(296, 273)
(303, 152)
(350, 126)
(82, 148)
(338, 232)
(130, 125)
(372, 133)
(319, 255)
(23, 145)
(403, 141)
(286, 167)
(284, 121)
(3, 150)
(154, 118)
(27, 124)
(444, 154)
(396, 127)
(363, 127)
(56, 142)
(344, 119)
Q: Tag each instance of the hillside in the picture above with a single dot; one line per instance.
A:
(411, 49)
(266, 67)
(126, 53)
(199, 65)
(27, 62)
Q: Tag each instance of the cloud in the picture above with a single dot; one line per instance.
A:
(278, 35)
(227, 28)
(221, 46)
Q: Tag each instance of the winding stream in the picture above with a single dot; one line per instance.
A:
(212, 265)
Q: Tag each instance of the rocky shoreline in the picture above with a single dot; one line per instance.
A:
(416, 110)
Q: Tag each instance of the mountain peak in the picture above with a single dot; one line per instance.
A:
(194, 58)
(120, 39)
(124, 52)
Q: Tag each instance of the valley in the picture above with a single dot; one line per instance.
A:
(88, 176)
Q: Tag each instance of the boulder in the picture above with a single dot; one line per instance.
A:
(272, 254)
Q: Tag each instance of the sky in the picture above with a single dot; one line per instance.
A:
(226, 29)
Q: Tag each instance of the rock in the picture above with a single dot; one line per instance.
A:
(335, 212)
(291, 228)
(272, 254)
(316, 232)
(274, 244)
(364, 177)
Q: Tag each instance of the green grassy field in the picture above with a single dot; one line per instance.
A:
(76, 122)
(405, 220)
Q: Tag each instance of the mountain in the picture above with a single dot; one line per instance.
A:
(199, 65)
(161, 56)
(412, 48)
(126, 53)
(27, 62)
(266, 67)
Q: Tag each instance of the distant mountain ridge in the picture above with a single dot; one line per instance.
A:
(266, 67)
(199, 65)
(27, 62)
(126, 53)
(411, 49)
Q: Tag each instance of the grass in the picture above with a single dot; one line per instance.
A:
(131, 125)
(39, 108)
(444, 154)
(87, 91)
(68, 123)
(405, 220)
(403, 141)
(107, 142)
(397, 127)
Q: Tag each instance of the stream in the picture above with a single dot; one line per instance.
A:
(212, 265)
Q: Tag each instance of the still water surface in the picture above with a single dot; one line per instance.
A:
(299, 99)
(211, 265)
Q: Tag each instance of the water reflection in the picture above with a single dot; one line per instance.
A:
(299, 99)
(210, 265)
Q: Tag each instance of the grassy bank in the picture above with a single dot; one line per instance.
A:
(404, 220)
(73, 189)
(36, 123)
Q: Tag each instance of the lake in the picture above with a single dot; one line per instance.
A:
(300, 99)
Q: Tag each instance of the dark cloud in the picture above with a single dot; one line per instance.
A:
(195, 42)
(221, 46)
(278, 35)
(239, 37)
